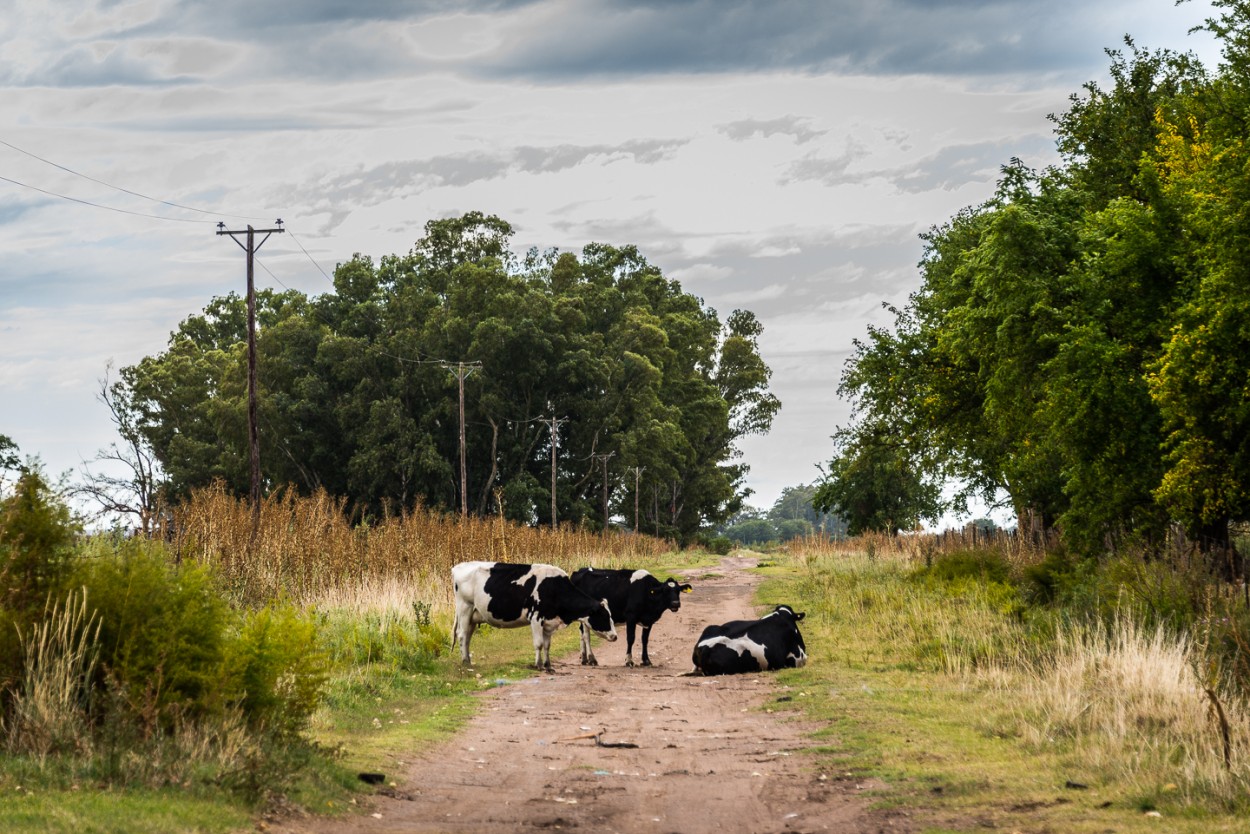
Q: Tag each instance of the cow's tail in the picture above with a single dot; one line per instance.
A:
(455, 622)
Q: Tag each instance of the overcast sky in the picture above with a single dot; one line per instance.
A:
(780, 155)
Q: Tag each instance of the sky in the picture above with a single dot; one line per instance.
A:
(781, 156)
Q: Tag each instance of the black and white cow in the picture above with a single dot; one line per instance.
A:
(510, 596)
(633, 596)
(772, 642)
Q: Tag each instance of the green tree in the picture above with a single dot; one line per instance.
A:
(356, 396)
(1033, 362)
(874, 484)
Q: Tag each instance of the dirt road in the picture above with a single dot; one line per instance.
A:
(708, 759)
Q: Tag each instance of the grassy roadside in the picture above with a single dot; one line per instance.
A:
(912, 685)
(374, 716)
(396, 689)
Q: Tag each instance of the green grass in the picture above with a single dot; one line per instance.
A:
(907, 681)
(84, 810)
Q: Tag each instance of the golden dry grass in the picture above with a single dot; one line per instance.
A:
(49, 710)
(308, 550)
(921, 547)
(1128, 704)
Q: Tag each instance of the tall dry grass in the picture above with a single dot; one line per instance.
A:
(922, 548)
(1123, 704)
(308, 550)
(49, 711)
(1129, 705)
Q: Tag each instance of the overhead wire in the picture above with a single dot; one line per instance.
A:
(172, 204)
(101, 205)
(119, 188)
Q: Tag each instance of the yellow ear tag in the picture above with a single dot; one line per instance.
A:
(687, 590)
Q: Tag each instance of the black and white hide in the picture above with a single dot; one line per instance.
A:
(634, 597)
(510, 596)
(771, 642)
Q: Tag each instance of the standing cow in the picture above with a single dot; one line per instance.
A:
(634, 596)
(772, 642)
(510, 596)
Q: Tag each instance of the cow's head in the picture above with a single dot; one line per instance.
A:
(787, 611)
(670, 592)
(600, 622)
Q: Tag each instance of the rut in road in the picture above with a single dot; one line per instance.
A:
(708, 757)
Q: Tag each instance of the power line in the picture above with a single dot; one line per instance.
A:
(311, 258)
(102, 206)
(119, 188)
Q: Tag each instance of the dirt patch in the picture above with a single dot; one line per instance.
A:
(708, 759)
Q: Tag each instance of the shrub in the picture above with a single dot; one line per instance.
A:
(719, 545)
(275, 670)
(388, 639)
(36, 540)
(983, 564)
(162, 633)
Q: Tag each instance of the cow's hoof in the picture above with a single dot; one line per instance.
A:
(646, 662)
(629, 663)
(590, 662)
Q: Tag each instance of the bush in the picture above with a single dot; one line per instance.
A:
(172, 650)
(718, 545)
(388, 639)
(276, 670)
(163, 633)
(36, 541)
(986, 565)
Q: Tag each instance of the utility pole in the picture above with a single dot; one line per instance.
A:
(604, 458)
(253, 432)
(555, 424)
(638, 470)
(461, 370)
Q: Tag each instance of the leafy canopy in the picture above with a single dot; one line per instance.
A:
(357, 396)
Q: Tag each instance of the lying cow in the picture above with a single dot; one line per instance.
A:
(510, 596)
(633, 596)
(773, 642)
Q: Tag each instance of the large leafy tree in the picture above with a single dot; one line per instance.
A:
(358, 396)
(1079, 342)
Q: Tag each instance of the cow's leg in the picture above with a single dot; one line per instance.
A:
(464, 628)
(542, 644)
(630, 625)
(588, 656)
(646, 637)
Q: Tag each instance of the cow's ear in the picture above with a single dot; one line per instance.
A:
(687, 588)
(799, 615)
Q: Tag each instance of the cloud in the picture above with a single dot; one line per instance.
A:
(893, 37)
(568, 41)
(948, 168)
(794, 126)
(370, 186)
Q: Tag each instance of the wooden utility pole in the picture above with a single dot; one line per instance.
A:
(638, 470)
(461, 370)
(253, 432)
(555, 424)
(604, 458)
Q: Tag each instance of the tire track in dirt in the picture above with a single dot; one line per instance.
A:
(708, 758)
